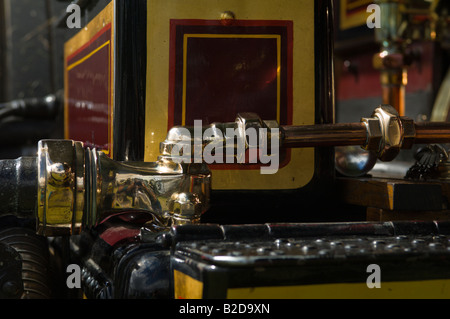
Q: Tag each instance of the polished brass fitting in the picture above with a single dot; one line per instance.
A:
(61, 187)
(396, 132)
(391, 129)
(80, 188)
(231, 139)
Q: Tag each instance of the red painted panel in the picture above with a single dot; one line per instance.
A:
(227, 76)
(89, 95)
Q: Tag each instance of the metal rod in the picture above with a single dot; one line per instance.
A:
(339, 134)
(342, 134)
(432, 132)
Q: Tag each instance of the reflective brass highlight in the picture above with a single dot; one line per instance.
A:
(61, 189)
(80, 188)
(229, 140)
(397, 132)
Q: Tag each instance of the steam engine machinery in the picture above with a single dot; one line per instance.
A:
(199, 149)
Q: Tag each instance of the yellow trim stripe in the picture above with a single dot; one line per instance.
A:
(187, 287)
(87, 56)
(426, 289)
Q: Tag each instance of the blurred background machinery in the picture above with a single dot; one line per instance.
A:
(405, 63)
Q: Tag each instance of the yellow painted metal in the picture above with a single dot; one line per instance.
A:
(299, 171)
(353, 13)
(187, 287)
(426, 289)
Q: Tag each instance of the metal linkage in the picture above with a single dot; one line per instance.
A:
(384, 133)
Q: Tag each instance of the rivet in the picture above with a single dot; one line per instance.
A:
(227, 15)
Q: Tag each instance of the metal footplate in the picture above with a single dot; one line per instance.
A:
(303, 251)
(331, 260)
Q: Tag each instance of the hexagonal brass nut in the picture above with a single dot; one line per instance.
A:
(374, 134)
(409, 132)
(391, 129)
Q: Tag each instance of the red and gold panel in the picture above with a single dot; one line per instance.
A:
(203, 67)
(239, 66)
(233, 65)
(89, 83)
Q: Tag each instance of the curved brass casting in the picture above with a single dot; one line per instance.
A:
(80, 188)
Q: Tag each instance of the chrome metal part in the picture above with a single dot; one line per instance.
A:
(383, 134)
(338, 134)
(391, 129)
(432, 132)
(374, 134)
(226, 142)
(397, 132)
(353, 160)
(80, 188)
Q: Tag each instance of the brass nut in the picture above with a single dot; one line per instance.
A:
(391, 129)
(390, 124)
(409, 132)
(374, 134)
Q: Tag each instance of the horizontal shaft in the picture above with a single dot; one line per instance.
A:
(324, 135)
(342, 134)
(432, 133)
